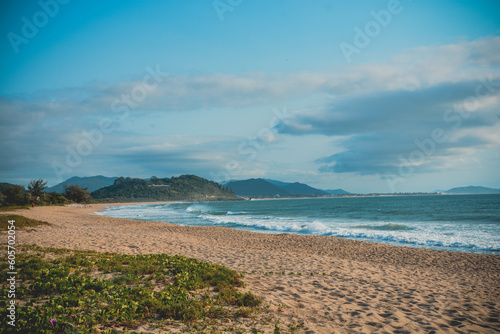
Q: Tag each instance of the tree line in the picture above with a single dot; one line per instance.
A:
(184, 187)
(17, 195)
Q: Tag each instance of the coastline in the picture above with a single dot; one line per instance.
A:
(355, 286)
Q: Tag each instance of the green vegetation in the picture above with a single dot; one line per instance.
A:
(54, 198)
(15, 195)
(64, 291)
(4, 185)
(36, 187)
(14, 207)
(21, 222)
(77, 194)
(184, 187)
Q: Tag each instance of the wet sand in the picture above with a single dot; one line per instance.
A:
(355, 287)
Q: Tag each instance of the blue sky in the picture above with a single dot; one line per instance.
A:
(368, 96)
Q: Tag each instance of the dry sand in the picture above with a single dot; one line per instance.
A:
(356, 287)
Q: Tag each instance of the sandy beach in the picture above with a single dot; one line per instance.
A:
(355, 287)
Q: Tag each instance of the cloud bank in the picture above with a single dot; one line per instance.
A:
(377, 113)
(452, 109)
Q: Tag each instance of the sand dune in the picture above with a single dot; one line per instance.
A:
(355, 287)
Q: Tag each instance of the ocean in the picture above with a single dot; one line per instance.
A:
(462, 223)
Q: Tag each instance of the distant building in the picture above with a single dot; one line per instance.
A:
(159, 185)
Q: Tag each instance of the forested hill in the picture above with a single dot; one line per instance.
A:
(273, 188)
(183, 188)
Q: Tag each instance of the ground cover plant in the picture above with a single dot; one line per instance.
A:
(21, 222)
(12, 208)
(67, 291)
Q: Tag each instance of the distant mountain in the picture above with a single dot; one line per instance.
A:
(182, 188)
(92, 183)
(337, 192)
(256, 188)
(473, 190)
(297, 188)
(303, 189)
(277, 183)
(272, 188)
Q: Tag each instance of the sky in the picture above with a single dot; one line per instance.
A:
(367, 96)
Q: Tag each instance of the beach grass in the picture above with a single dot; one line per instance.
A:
(72, 291)
(21, 222)
(14, 207)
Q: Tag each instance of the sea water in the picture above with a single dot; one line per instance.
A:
(464, 223)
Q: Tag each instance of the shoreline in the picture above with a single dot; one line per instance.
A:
(416, 245)
(355, 286)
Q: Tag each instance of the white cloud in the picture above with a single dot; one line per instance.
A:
(375, 111)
